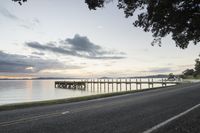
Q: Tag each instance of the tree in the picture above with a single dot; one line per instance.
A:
(171, 76)
(178, 18)
(193, 72)
(197, 66)
(188, 72)
(19, 1)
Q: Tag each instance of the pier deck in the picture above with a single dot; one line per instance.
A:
(70, 85)
(82, 85)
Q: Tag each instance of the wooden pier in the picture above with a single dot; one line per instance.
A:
(70, 85)
(110, 84)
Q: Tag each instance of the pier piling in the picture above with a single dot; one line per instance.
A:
(95, 85)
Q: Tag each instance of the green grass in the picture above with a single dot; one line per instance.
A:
(68, 100)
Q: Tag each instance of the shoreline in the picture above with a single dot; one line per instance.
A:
(74, 99)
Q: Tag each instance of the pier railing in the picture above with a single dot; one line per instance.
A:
(111, 84)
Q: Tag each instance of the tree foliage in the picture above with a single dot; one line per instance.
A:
(19, 1)
(188, 72)
(197, 66)
(171, 76)
(179, 18)
(193, 72)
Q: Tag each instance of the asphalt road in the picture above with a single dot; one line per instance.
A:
(188, 123)
(130, 113)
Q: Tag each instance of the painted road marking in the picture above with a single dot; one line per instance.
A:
(22, 120)
(171, 119)
(33, 118)
(66, 112)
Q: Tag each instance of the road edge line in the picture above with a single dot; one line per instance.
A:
(150, 130)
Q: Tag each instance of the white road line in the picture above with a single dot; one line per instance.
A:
(66, 112)
(170, 119)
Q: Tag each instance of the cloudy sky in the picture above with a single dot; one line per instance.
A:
(66, 39)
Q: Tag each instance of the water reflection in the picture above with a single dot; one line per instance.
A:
(17, 91)
(29, 90)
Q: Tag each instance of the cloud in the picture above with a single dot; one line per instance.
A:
(6, 13)
(79, 46)
(14, 63)
(100, 27)
(38, 53)
(27, 24)
(36, 21)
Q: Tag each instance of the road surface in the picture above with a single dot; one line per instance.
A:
(130, 113)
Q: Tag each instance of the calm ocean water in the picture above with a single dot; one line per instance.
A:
(18, 91)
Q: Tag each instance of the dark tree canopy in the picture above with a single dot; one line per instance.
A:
(171, 76)
(179, 18)
(197, 66)
(188, 72)
(19, 1)
(193, 72)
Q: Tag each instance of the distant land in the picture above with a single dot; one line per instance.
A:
(150, 76)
